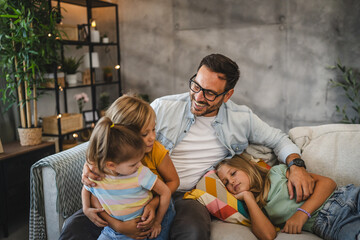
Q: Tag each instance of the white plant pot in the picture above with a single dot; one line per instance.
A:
(71, 79)
(105, 40)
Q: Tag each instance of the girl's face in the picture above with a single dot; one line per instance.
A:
(126, 168)
(235, 180)
(148, 134)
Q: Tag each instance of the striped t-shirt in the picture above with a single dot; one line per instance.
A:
(124, 197)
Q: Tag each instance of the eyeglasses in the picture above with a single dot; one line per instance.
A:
(208, 94)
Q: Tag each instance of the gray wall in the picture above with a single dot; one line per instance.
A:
(281, 46)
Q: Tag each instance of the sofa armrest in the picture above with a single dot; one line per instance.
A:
(55, 191)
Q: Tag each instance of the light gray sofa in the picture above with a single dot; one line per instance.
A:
(331, 150)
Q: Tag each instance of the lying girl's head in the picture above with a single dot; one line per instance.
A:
(133, 111)
(239, 174)
(113, 144)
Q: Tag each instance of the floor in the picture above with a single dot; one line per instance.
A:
(18, 227)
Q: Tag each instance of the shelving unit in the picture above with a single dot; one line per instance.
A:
(89, 5)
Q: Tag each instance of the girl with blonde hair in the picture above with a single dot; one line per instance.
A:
(138, 114)
(125, 189)
(327, 213)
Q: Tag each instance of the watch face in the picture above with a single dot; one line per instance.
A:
(299, 162)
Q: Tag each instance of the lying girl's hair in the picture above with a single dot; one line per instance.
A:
(259, 181)
(131, 111)
(115, 143)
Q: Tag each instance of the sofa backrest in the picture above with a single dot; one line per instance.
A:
(332, 150)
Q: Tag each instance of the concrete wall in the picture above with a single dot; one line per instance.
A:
(281, 46)
(283, 49)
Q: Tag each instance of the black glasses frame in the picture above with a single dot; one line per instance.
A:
(203, 89)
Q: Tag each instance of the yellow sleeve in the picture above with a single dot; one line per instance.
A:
(153, 159)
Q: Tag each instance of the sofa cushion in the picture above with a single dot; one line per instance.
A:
(331, 150)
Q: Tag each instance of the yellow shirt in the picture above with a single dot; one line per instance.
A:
(154, 158)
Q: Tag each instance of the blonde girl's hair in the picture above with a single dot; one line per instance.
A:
(115, 143)
(131, 111)
(259, 180)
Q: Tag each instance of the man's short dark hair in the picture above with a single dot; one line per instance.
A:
(220, 64)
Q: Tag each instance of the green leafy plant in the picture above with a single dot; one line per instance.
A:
(71, 65)
(350, 83)
(104, 102)
(28, 42)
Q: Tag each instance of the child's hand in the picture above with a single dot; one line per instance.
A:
(92, 214)
(295, 223)
(148, 217)
(155, 231)
(242, 195)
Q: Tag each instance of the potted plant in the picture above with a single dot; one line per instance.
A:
(70, 66)
(29, 41)
(105, 38)
(108, 74)
(104, 103)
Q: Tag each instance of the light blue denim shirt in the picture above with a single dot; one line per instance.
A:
(235, 125)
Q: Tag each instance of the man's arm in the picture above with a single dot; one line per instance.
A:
(300, 180)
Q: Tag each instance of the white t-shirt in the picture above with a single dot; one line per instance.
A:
(197, 153)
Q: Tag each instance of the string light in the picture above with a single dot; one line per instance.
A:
(49, 35)
(58, 116)
(117, 66)
(93, 23)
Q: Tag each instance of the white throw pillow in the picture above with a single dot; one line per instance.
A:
(331, 150)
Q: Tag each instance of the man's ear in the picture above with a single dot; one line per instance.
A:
(228, 95)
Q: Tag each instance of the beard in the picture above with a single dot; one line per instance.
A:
(205, 108)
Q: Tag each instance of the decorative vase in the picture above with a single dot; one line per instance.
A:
(30, 136)
(71, 79)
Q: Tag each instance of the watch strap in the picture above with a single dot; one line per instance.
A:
(293, 163)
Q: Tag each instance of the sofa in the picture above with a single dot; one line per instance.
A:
(331, 150)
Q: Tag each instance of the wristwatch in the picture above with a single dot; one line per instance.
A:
(297, 162)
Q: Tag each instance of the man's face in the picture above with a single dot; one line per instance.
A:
(215, 82)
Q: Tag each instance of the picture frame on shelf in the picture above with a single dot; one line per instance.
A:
(89, 117)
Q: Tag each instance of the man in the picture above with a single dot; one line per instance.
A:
(202, 130)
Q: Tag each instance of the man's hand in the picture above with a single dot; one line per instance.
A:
(295, 223)
(300, 180)
(90, 171)
(92, 214)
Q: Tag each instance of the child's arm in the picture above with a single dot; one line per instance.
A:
(91, 213)
(127, 228)
(324, 187)
(165, 194)
(168, 173)
(260, 224)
